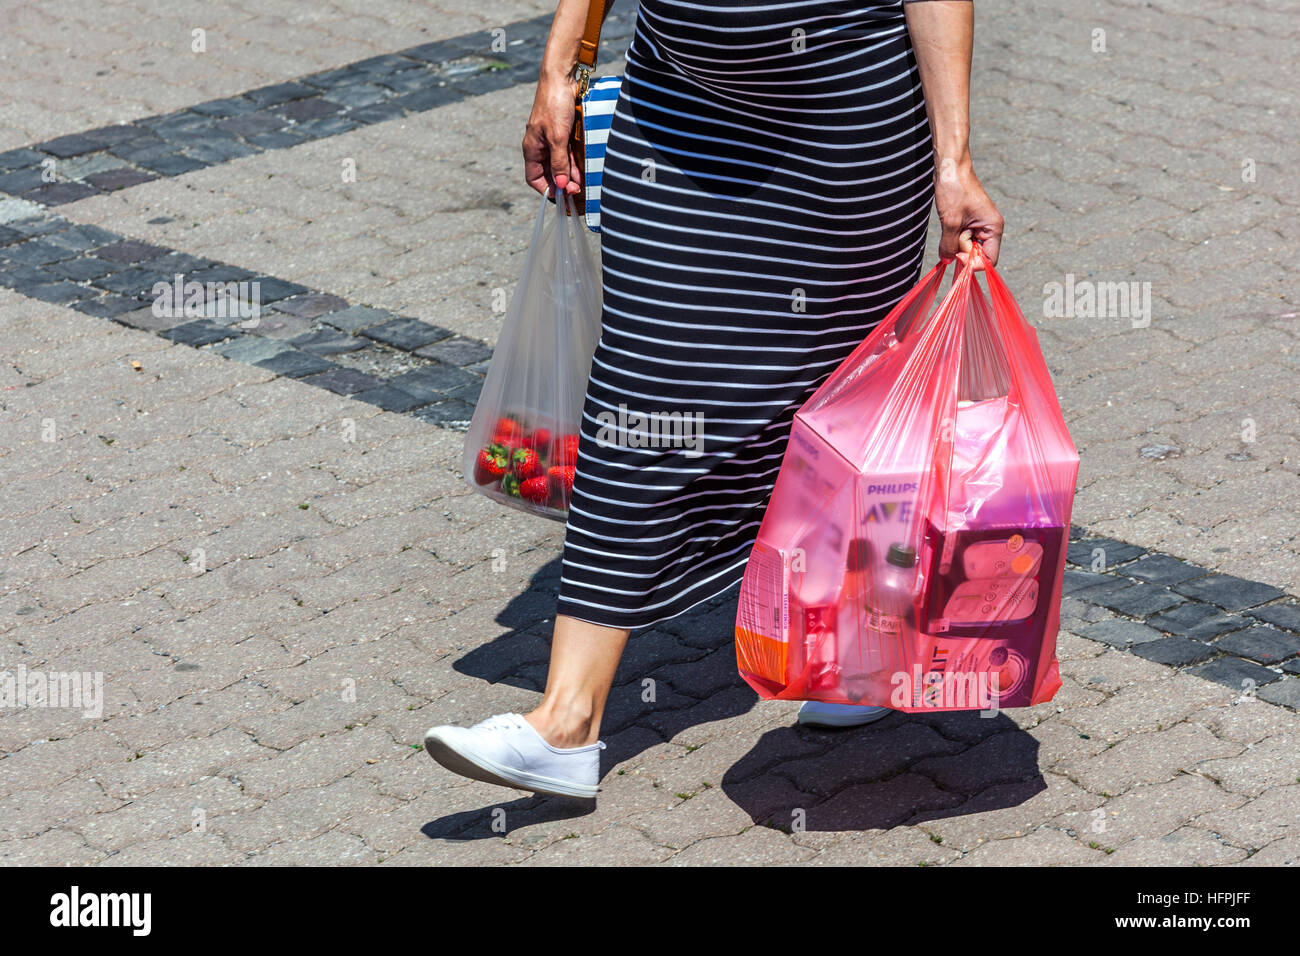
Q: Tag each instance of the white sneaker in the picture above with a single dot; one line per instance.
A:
(508, 750)
(817, 714)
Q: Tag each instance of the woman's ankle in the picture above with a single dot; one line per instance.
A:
(564, 727)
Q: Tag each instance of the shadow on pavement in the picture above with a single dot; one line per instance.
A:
(681, 673)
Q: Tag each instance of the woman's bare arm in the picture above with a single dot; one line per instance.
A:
(547, 162)
(942, 33)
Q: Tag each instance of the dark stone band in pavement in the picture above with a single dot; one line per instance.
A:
(300, 333)
(319, 105)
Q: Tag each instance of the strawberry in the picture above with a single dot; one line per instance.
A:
(508, 432)
(566, 450)
(510, 485)
(539, 441)
(560, 478)
(534, 489)
(490, 464)
(525, 463)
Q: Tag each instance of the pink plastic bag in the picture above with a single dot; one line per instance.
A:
(912, 553)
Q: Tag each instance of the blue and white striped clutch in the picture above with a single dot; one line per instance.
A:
(597, 114)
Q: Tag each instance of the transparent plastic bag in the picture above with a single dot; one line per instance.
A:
(522, 444)
(913, 550)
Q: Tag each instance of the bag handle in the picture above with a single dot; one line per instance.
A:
(596, 13)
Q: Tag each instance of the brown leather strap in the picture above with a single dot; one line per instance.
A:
(596, 11)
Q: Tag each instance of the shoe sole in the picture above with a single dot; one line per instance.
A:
(477, 767)
(844, 721)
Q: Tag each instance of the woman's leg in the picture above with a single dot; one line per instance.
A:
(584, 657)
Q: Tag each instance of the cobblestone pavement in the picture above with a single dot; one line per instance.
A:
(284, 586)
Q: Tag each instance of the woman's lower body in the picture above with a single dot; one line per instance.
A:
(765, 198)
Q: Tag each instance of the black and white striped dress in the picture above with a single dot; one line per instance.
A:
(766, 194)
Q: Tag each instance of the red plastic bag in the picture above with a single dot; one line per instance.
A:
(912, 553)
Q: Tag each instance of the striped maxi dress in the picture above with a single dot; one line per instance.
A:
(765, 199)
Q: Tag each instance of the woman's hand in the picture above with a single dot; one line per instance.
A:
(965, 211)
(942, 34)
(547, 163)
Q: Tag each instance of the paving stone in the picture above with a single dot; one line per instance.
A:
(295, 364)
(1285, 692)
(37, 252)
(327, 342)
(311, 108)
(252, 123)
(283, 326)
(428, 99)
(37, 222)
(230, 106)
(1285, 616)
(1078, 582)
(72, 239)
(1200, 622)
(390, 399)
(278, 93)
(312, 305)
(1291, 667)
(1120, 633)
(379, 113)
(327, 126)
(357, 317)
(115, 179)
(93, 234)
(225, 273)
(22, 180)
(1269, 817)
(177, 263)
(1084, 552)
(356, 95)
(20, 158)
(146, 319)
(107, 306)
(273, 290)
(1175, 651)
(60, 194)
(1261, 644)
(468, 392)
(73, 145)
(1163, 570)
(345, 381)
(1235, 673)
(1139, 600)
(8, 235)
(171, 164)
(129, 251)
(406, 334)
(450, 412)
(457, 350)
(130, 282)
(435, 378)
(216, 152)
(1229, 592)
(281, 139)
(199, 332)
(251, 349)
(61, 293)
